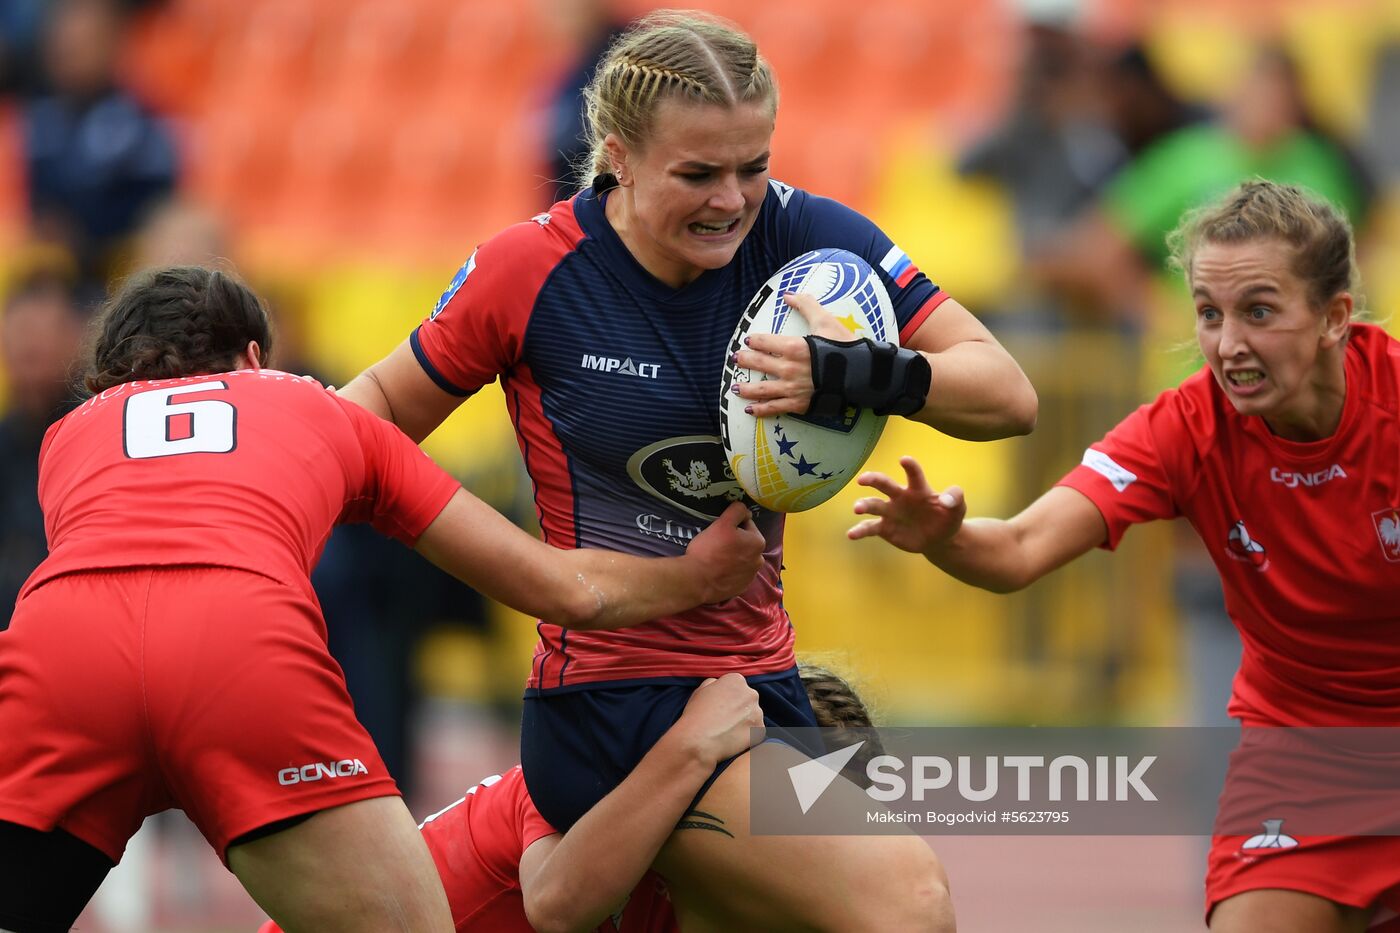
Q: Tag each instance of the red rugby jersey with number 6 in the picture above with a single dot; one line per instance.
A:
(247, 469)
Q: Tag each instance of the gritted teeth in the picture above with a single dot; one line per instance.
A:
(725, 227)
(1245, 377)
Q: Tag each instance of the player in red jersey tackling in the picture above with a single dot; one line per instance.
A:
(170, 651)
(1281, 453)
(507, 870)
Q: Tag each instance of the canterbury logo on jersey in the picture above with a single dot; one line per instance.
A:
(345, 767)
(623, 367)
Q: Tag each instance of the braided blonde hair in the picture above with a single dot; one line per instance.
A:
(669, 54)
(840, 709)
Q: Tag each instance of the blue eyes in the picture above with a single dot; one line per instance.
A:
(1212, 315)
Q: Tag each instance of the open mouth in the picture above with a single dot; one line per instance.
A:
(714, 229)
(1245, 378)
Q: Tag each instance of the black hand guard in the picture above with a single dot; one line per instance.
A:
(887, 379)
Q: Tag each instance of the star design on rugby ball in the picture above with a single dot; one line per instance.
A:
(804, 468)
(785, 446)
(849, 322)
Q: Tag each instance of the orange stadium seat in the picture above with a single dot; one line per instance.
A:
(490, 46)
(271, 49)
(336, 170)
(390, 49)
(237, 153)
(167, 59)
(458, 173)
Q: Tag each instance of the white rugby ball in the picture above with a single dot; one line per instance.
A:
(789, 463)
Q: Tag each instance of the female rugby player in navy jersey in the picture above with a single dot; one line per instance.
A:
(608, 320)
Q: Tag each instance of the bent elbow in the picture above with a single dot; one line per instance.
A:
(1005, 587)
(549, 914)
(1024, 410)
(578, 608)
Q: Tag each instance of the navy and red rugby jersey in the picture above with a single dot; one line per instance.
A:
(247, 469)
(612, 380)
(1306, 536)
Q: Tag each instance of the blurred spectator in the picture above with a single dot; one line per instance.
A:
(177, 233)
(20, 22)
(1265, 130)
(96, 158)
(1382, 140)
(1139, 105)
(587, 27)
(1053, 151)
(40, 331)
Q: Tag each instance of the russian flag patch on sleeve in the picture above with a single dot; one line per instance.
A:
(899, 266)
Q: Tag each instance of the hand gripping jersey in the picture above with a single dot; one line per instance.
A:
(1306, 536)
(247, 469)
(477, 843)
(612, 382)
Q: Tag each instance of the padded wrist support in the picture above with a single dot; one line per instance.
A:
(885, 378)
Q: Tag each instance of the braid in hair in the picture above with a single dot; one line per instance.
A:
(171, 322)
(668, 54)
(841, 711)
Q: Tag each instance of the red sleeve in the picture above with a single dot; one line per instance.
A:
(404, 490)
(1124, 474)
(911, 327)
(476, 331)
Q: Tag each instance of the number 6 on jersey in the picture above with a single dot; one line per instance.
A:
(153, 426)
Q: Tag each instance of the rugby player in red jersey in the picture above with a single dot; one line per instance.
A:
(170, 650)
(507, 870)
(1282, 454)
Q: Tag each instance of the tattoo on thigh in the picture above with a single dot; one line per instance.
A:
(699, 819)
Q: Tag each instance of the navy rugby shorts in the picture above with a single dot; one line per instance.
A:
(577, 744)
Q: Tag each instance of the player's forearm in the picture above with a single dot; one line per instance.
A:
(616, 590)
(986, 553)
(978, 393)
(584, 588)
(601, 859)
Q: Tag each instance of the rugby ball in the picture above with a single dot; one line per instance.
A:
(790, 463)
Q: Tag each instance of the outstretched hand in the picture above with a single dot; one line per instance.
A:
(913, 518)
(786, 361)
(728, 554)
